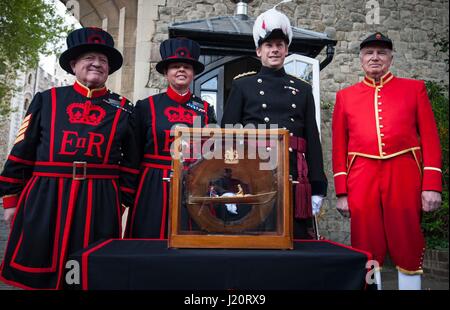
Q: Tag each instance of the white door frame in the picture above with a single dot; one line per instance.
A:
(315, 80)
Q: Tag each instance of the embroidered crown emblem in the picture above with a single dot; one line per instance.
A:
(179, 115)
(231, 156)
(182, 52)
(85, 113)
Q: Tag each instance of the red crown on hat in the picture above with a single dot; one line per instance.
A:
(183, 52)
(96, 36)
(179, 115)
(82, 113)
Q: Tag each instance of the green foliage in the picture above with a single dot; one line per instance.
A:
(27, 28)
(326, 105)
(435, 224)
(442, 46)
(439, 101)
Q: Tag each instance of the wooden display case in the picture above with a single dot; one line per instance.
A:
(230, 188)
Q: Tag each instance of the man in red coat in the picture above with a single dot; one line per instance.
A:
(386, 161)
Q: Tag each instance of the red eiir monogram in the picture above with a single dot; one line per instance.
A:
(71, 143)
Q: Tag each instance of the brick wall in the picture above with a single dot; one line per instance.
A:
(435, 263)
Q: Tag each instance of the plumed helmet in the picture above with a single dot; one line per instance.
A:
(272, 24)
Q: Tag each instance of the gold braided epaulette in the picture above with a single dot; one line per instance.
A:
(298, 78)
(244, 74)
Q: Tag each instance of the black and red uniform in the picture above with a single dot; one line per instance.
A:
(68, 173)
(155, 117)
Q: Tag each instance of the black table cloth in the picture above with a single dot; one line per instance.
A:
(150, 265)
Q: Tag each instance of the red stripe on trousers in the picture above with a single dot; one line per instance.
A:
(87, 225)
(138, 195)
(155, 138)
(119, 211)
(113, 131)
(72, 201)
(164, 210)
(52, 127)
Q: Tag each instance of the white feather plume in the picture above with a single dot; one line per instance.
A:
(270, 20)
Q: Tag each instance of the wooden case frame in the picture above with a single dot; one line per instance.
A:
(282, 240)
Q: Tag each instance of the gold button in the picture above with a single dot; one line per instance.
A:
(379, 110)
(292, 82)
(261, 93)
(379, 103)
(259, 81)
(266, 119)
(380, 117)
(264, 105)
(381, 126)
(384, 153)
(294, 105)
(294, 92)
(291, 134)
(382, 144)
(292, 120)
(290, 149)
(379, 96)
(382, 134)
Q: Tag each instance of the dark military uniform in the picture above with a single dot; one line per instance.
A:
(155, 117)
(69, 171)
(274, 97)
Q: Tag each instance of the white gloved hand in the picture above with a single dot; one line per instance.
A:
(316, 201)
(231, 207)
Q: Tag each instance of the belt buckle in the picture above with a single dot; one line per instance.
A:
(76, 165)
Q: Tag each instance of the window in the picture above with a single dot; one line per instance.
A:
(307, 69)
(26, 105)
(209, 87)
(208, 92)
(214, 84)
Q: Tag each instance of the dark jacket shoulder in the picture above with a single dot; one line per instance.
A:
(245, 77)
(299, 82)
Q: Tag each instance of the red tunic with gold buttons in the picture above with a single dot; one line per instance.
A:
(385, 153)
(72, 166)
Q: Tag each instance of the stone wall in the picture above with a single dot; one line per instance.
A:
(414, 26)
(4, 128)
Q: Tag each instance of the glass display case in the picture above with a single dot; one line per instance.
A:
(230, 188)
